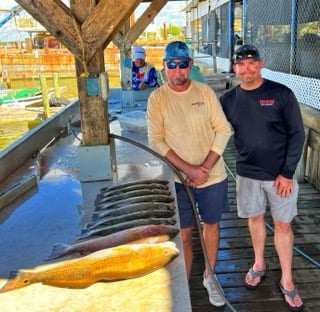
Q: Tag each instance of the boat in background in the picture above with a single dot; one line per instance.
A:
(23, 97)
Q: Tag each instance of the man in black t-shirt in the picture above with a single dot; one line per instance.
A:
(269, 137)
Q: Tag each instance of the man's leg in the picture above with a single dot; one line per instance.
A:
(283, 241)
(258, 234)
(186, 236)
(211, 242)
(211, 237)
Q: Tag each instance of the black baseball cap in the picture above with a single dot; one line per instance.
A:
(246, 51)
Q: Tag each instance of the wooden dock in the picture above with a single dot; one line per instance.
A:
(236, 256)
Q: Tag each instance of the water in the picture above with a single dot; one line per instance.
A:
(11, 129)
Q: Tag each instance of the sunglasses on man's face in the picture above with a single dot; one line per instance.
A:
(173, 65)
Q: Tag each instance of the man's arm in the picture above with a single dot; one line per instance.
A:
(295, 135)
(195, 174)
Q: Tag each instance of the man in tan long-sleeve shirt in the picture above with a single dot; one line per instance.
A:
(186, 125)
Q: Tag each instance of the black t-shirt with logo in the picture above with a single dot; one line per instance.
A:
(268, 130)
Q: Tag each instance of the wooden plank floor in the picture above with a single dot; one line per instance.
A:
(236, 256)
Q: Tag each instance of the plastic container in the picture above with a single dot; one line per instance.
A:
(133, 121)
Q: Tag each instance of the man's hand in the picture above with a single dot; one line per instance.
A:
(197, 176)
(142, 85)
(283, 185)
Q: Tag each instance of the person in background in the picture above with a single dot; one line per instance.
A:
(187, 126)
(144, 74)
(269, 137)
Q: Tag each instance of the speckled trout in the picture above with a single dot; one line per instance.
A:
(112, 264)
(151, 186)
(129, 184)
(135, 193)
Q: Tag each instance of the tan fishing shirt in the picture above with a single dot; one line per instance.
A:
(191, 123)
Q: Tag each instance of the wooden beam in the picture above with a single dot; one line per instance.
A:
(125, 54)
(119, 39)
(56, 18)
(96, 31)
(145, 19)
(81, 8)
(104, 22)
(93, 109)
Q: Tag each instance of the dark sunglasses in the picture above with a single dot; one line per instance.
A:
(181, 64)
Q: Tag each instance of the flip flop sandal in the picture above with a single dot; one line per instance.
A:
(253, 275)
(291, 294)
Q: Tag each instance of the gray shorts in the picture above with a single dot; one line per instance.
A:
(252, 197)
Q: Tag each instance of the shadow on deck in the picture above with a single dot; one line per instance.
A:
(236, 256)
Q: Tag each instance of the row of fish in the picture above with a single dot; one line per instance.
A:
(133, 240)
(123, 206)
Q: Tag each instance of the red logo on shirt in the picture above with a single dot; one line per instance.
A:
(266, 102)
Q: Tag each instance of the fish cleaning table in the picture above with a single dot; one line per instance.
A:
(56, 212)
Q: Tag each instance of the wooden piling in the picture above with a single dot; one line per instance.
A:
(44, 90)
(57, 92)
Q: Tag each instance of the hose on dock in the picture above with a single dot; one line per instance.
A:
(198, 222)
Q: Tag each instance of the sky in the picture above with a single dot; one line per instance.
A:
(171, 13)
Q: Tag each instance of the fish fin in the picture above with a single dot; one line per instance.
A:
(76, 284)
(13, 274)
(58, 250)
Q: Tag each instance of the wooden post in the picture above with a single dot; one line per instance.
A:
(28, 45)
(56, 85)
(44, 90)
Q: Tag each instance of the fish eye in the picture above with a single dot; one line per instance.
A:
(26, 281)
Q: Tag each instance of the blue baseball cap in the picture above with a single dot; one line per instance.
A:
(177, 50)
(139, 53)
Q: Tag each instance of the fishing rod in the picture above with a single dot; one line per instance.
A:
(189, 194)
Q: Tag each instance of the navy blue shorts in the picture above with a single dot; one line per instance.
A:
(211, 202)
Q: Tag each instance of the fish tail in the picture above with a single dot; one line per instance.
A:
(58, 250)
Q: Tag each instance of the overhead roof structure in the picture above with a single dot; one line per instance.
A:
(86, 28)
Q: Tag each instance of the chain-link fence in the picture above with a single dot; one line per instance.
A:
(212, 32)
(288, 37)
(215, 31)
(286, 32)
